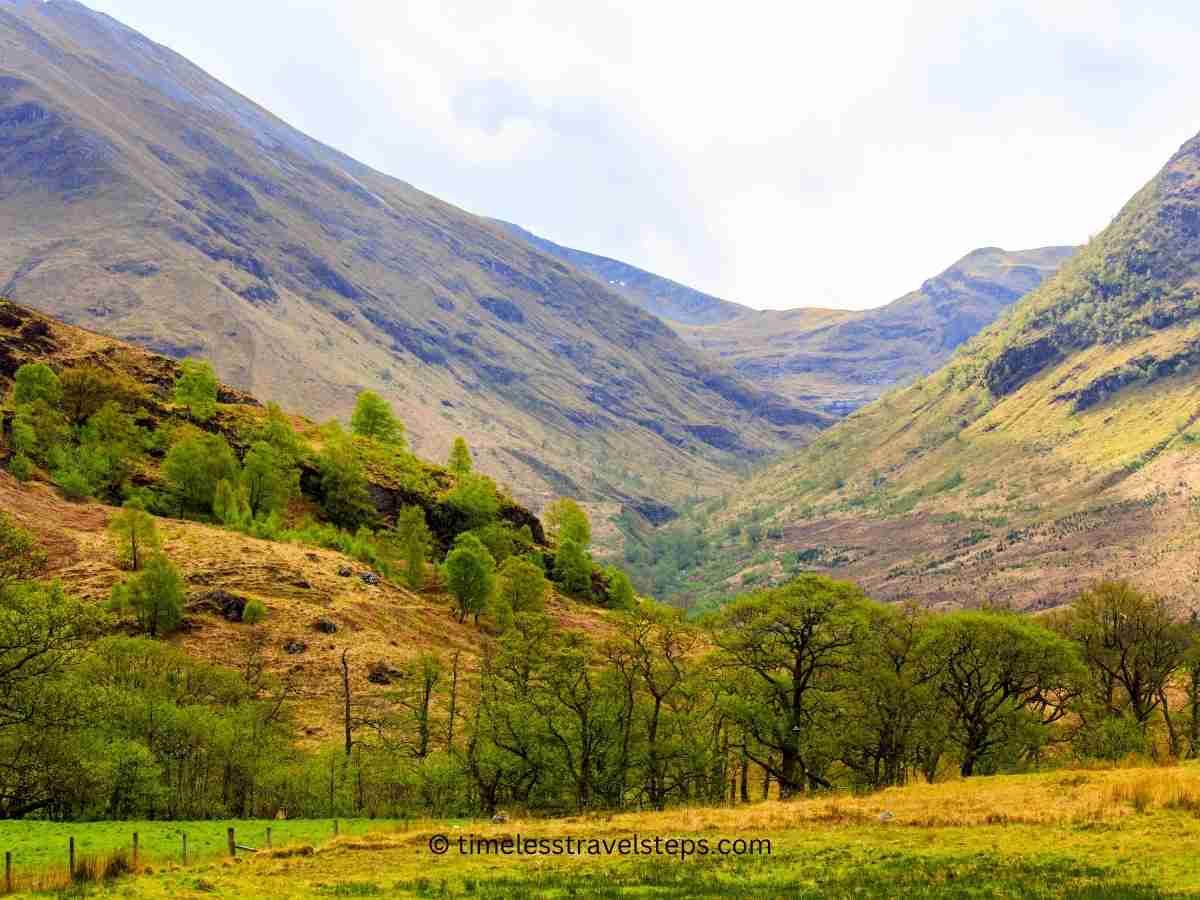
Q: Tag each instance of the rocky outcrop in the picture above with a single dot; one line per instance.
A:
(1017, 364)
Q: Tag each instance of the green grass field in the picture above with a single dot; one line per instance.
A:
(1113, 833)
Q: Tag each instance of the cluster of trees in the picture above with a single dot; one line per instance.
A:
(494, 570)
(803, 687)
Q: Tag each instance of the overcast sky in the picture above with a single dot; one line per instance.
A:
(779, 155)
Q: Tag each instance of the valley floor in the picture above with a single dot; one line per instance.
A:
(1124, 833)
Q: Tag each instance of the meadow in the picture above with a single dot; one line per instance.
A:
(1083, 833)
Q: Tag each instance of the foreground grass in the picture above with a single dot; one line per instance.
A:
(1083, 834)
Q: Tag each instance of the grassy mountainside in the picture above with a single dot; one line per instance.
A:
(1055, 447)
(319, 604)
(144, 199)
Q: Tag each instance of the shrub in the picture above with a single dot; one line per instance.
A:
(36, 381)
(254, 612)
(460, 458)
(21, 558)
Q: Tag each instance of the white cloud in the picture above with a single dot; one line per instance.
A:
(775, 154)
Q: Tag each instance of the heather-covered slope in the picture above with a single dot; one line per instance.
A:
(1054, 448)
(141, 197)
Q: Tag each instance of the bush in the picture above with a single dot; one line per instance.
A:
(73, 483)
(20, 467)
(36, 381)
(254, 612)
(20, 556)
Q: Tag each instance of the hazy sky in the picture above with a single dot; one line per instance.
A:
(776, 154)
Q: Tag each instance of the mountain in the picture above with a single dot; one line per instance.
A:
(833, 359)
(662, 297)
(144, 199)
(841, 359)
(1056, 447)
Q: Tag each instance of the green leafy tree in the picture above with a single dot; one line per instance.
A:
(373, 418)
(155, 595)
(87, 388)
(36, 381)
(521, 588)
(346, 500)
(193, 468)
(230, 506)
(499, 540)
(134, 536)
(567, 521)
(269, 479)
(40, 431)
(621, 594)
(782, 653)
(474, 499)
(1002, 678)
(280, 434)
(196, 389)
(21, 557)
(460, 458)
(471, 579)
(572, 567)
(412, 539)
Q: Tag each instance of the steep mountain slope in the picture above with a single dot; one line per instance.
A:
(1056, 447)
(834, 359)
(141, 197)
(662, 297)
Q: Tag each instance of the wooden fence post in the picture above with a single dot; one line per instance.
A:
(335, 828)
(8, 884)
(268, 837)
(71, 858)
(232, 843)
(136, 850)
(183, 834)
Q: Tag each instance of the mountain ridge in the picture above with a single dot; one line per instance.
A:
(143, 198)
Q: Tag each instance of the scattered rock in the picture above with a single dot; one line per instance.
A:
(500, 818)
(312, 557)
(294, 647)
(227, 605)
(345, 572)
(382, 673)
(302, 583)
(325, 626)
(369, 578)
(886, 816)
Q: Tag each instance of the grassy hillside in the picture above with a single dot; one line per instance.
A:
(1078, 833)
(382, 623)
(142, 198)
(1055, 447)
